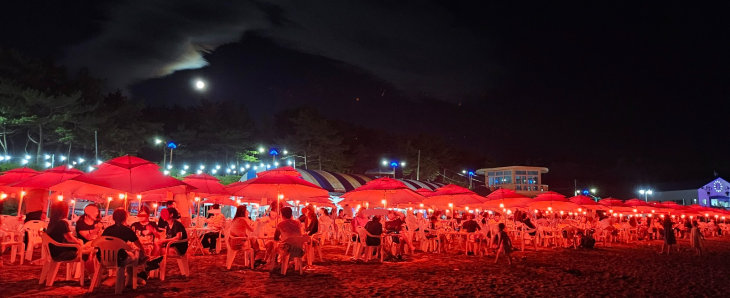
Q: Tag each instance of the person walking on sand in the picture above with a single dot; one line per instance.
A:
(696, 238)
(669, 238)
(504, 244)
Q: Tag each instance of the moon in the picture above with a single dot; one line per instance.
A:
(200, 85)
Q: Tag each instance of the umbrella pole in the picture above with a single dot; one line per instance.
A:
(20, 201)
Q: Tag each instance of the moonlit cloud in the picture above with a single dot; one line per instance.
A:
(412, 44)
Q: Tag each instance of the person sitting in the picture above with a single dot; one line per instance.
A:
(374, 228)
(215, 222)
(470, 225)
(288, 232)
(242, 226)
(311, 224)
(174, 231)
(120, 231)
(163, 224)
(394, 226)
(348, 212)
(147, 231)
(89, 226)
(59, 230)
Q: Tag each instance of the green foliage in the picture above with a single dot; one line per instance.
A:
(317, 139)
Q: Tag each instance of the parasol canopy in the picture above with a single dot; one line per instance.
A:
(48, 178)
(459, 196)
(639, 205)
(14, 176)
(424, 192)
(506, 200)
(553, 201)
(127, 174)
(615, 205)
(207, 186)
(394, 193)
(289, 171)
(272, 185)
(587, 203)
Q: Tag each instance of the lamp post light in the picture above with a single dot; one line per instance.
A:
(172, 146)
(394, 164)
(646, 193)
(293, 156)
(164, 151)
(471, 175)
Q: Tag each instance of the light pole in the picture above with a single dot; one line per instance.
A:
(646, 193)
(471, 174)
(293, 156)
(164, 152)
(393, 165)
(172, 146)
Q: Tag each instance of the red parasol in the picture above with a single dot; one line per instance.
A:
(615, 205)
(453, 194)
(289, 171)
(587, 203)
(553, 201)
(48, 178)
(424, 192)
(639, 206)
(392, 191)
(127, 174)
(500, 193)
(14, 176)
(276, 186)
(500, 200)
(207, 186)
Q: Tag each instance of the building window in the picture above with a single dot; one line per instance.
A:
(520, 172)
(531, 172)
(518, 187)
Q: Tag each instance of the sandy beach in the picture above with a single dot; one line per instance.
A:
(622, 270)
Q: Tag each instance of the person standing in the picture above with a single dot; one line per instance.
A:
(669, 238)
(696, 238)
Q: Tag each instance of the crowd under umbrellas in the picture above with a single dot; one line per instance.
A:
(126, 179)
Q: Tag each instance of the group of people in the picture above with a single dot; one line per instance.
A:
(150, 240)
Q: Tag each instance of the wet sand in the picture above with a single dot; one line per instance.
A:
(622, 270)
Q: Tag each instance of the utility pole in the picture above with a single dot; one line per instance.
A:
(418, 166)
(96, 146)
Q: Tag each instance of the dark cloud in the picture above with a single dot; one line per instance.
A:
(418, 46)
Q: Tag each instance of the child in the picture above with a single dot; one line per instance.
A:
(695, 238)
(504, 244)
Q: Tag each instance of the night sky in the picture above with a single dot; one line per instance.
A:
(616, 95)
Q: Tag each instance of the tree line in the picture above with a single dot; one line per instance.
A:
(46, 108)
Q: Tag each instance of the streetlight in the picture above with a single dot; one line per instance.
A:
(394, 164)
(164, 151)
(172, 146)
(471, 175)
(593, 191)
(293, 156)
(646, 193)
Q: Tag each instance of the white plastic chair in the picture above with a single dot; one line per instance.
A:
(108, 248)
(51, 266)
(297, 242)
(13, 240)
(248, 253)
(34, 229)
(182, 260)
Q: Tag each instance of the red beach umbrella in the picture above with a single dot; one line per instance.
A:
(588, 203)
(505, 200)
(15, 175)
(276, 187)
(639, 205)
(459, 196)
(207, 186)
(553, 202)
(289, 171)
(48, 178)
(127, 174)
(615, 205)
(392, 191)
(424, 192)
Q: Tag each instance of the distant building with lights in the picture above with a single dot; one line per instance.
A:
(524, 180)
(716, 193)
